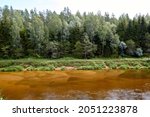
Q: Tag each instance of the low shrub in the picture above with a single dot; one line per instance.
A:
(5, 63)
(124, 66)
(45, 68)
(62, 68)
(12, 68)
(86, 68)
(90, 64)
(40, 68)
(94, 67)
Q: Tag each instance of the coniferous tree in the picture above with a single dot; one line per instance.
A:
(87, 35)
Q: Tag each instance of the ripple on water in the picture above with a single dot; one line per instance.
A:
(107, 95)
(146, 95)
(75, 85)
(127, 95)
(71, 95)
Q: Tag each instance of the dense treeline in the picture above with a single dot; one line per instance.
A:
(51, 35)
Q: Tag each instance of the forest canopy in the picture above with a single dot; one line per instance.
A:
(46, 34)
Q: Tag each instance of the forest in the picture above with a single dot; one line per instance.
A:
(47, 34)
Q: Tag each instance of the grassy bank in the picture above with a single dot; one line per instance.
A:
(31, 64)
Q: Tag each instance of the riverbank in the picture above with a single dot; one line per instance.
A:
(33, 64)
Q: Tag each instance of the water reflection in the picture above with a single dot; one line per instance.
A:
(109, 95)
(75, 85)
(127, 95)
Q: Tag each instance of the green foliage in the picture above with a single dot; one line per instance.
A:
(88, 64)
(131, 47)
(147, 43)
(51, 35)
(62, 68)
(92, 67)
(123, 66)
(86, 68)
(85, 49)
(78, 49)
(5, 63)
(112, 64)
(44, 68)
(12, 68)
(139, 52)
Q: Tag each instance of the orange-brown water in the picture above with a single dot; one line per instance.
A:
(104, 84)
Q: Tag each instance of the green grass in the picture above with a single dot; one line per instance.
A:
(12, 68)
(40, 68)
(32, 64)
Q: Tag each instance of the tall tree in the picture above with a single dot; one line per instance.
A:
(48, 34)
(5, 33)
(85, 48)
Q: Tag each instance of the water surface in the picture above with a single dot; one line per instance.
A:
(103, 84)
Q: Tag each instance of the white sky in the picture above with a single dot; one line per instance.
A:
(132, 7)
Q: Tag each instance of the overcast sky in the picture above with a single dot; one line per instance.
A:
(117, 7)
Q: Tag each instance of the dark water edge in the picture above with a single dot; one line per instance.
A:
(101, 95)
(76, 85)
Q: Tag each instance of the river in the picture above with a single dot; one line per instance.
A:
(75, 85)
